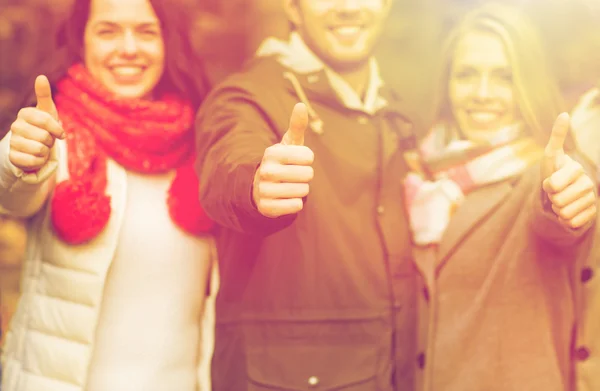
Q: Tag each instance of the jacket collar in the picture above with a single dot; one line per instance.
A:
(316, 77)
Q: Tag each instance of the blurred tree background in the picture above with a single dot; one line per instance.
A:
(227, 32)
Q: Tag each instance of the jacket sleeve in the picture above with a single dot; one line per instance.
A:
(24, 194)
(545, 222)
(232, 133)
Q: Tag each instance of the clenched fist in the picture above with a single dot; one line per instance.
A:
(283, 177)
(35, 130)
(569, 188)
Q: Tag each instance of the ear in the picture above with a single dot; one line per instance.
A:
(292, 10)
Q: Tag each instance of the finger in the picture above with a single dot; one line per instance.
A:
(270, 190)
(25, 161)
(43, 120)
(20, 128)
(574, 208)
(43, 94)
(563, 177)
(29, 147)
(571, 193)
(297, 127)
(288, 174)
(290, 154)
(280, 207)
(560, 130)
(554, 155)
(583, 218)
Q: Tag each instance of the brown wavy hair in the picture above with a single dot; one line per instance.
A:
(184, 69)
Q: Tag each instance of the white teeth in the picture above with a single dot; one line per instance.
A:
(127, 70)
(349, 31)
(483, 116)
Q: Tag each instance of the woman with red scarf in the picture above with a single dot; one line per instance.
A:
(502, 216)
(119, 253)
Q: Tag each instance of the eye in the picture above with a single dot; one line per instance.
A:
(106, 33)
(149, 32)
(107, 30)
(464, 74)
(506, 77)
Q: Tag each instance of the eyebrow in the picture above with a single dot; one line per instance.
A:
(115, 24)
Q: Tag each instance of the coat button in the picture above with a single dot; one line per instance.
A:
(586, 274)
(421, 360)
(582, 353)
(313, 381)
(380, 210)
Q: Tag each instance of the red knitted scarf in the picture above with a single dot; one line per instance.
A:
(148, 137)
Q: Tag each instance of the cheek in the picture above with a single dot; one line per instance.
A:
(507, 95)
(458, 93)
(96, 53)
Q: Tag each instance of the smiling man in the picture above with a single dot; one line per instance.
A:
(317, 286)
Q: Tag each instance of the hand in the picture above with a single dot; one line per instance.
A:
(569, 189)
(35, 130)
(282, 179)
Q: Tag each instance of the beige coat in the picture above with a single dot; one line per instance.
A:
(499, 298)
(587, 353)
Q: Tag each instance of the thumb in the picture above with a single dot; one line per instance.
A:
(554, 154)
(297, 127)
(43, 95)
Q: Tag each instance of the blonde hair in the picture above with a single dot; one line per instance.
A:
(536, 88)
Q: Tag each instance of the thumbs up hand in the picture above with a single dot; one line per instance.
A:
(35, 130)
(569, 188)
(282, 179)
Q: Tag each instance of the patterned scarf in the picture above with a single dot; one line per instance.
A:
(148, 137)
(443, 173)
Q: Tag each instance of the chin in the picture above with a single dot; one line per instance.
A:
(131, 92)
(348, 61)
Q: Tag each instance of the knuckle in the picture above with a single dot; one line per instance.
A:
(310, 173)
(587, 183)
(42, 151)
(304, 190)
(310, 155)
(17, 126)
(557, 201)
(24, 113)
(267, 171)
(262, 189)
(46, 120)
(576, 166)
(271, 152)
(565, 214)
(13, 157)
(48, 139)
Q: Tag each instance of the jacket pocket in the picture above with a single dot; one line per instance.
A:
(305, 367)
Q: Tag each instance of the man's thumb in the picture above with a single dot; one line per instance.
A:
(43, 94)
(297, 127)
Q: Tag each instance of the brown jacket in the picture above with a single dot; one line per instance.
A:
(499, 296)
(324, 298)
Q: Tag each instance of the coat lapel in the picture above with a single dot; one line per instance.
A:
(476, 207)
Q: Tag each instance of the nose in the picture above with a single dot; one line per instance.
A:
(483, 88)
(129, 45)
(349, 5)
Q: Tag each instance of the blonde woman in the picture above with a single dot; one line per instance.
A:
(501, 211)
